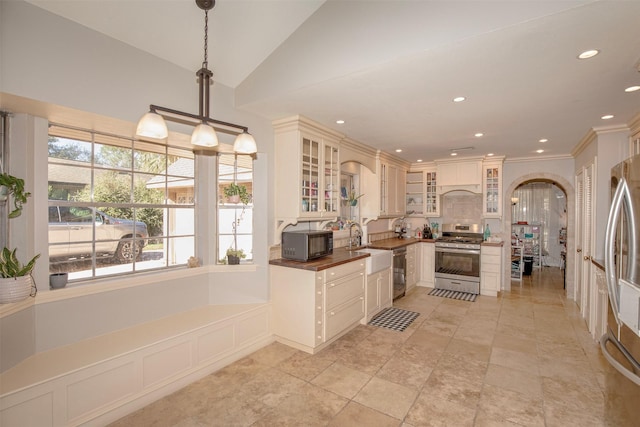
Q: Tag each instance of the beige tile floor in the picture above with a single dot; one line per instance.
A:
(522, 359)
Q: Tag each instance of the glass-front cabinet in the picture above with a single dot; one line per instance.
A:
(492, 187)
(421, 196)
(320, 171)
(307, 172)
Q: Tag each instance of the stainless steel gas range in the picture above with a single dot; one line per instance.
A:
(458, 258)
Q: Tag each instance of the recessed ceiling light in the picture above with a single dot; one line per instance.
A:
(543, 140)
(454, 154)
(607, 117)
(489, 154)
(340, 122)
(539, 151)
(398, 150)
(588, 54)
(419, 160)
(459, 99)
(632, 88)
(479, 134)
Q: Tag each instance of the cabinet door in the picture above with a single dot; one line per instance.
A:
(431, 197)
(415, 201)
(331, 180)
(428, 265)
(385, 288)
(492, 190)
(311, 179)
(384, 193)
(372, 296)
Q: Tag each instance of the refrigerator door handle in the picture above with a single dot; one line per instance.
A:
(621, 199)
(606, 337)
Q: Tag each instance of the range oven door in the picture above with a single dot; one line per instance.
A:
(458, 263)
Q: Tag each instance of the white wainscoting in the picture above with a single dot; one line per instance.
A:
(99, 380)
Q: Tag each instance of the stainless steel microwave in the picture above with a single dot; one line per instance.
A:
(305, 245)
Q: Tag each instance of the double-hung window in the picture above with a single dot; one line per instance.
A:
(118, 205)
(235, 208)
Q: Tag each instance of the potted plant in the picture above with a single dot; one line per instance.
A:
(16, 282)
(353, 198)
(234, 255)
(236, 193)
(12, 186)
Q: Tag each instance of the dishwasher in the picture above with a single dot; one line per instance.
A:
(399, 272)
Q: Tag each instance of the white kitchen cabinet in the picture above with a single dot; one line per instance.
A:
(307, 171)
(392, 179)
(490, 269)
(422, 197)
(378, 295)
(492, 187)
(311, 309)
(427, 265)
(459, 174)
(411, 272)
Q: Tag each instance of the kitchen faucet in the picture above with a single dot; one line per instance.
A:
(357, 237)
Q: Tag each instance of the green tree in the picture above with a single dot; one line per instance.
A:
(68, 150)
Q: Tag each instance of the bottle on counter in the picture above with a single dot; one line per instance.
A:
(487, 232)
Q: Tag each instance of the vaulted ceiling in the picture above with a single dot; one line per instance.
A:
(391, 68)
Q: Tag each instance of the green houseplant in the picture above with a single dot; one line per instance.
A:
(353, 198)
(234, 255)
(13, 186)
(237, 193)
(16, 282)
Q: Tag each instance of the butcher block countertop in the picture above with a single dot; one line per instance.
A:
(339, 256)
(395, 243)
(343, 255)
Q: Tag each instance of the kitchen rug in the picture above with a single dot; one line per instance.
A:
(394, 318)
(445, 293)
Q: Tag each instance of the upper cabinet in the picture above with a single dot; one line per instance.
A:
(422, 197)
(307, 172)
(392, 180)
(465, 174)
(492, 187)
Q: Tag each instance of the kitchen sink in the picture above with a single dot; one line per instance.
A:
(379, 260)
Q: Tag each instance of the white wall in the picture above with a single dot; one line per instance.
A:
(52, 60)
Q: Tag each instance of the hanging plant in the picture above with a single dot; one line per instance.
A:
(12, 186)
(237, 193)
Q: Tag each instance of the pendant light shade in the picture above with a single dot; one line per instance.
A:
(152, 125)
(245, 144)
(204, 135)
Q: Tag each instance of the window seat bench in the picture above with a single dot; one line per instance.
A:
(101, 379)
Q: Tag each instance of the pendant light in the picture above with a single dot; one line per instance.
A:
(153, 125)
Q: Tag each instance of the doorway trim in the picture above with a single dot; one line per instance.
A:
(569, 190)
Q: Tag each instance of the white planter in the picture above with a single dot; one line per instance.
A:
(15, 289)
(4, 193)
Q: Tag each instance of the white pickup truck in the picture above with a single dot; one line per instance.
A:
(71, 235)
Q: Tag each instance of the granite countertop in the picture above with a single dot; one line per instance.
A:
(339, 256)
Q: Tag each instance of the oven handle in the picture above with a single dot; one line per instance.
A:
(458, 251)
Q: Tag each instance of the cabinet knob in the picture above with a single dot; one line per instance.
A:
(578, 250)
(319, 292)
(319, 337)
(332, 285)
(586, 258)
(319, 322)
(333, 314)
(319, 307)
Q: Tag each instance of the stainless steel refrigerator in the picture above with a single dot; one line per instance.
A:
(621, 343)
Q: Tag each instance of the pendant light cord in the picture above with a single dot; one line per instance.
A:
(206, 39)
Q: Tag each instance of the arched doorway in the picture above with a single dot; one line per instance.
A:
(569, 190)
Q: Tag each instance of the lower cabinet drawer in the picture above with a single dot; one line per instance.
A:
(340, 291)
(343, 316)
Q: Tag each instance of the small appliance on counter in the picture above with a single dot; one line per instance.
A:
(426, 232)
(305, 245)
